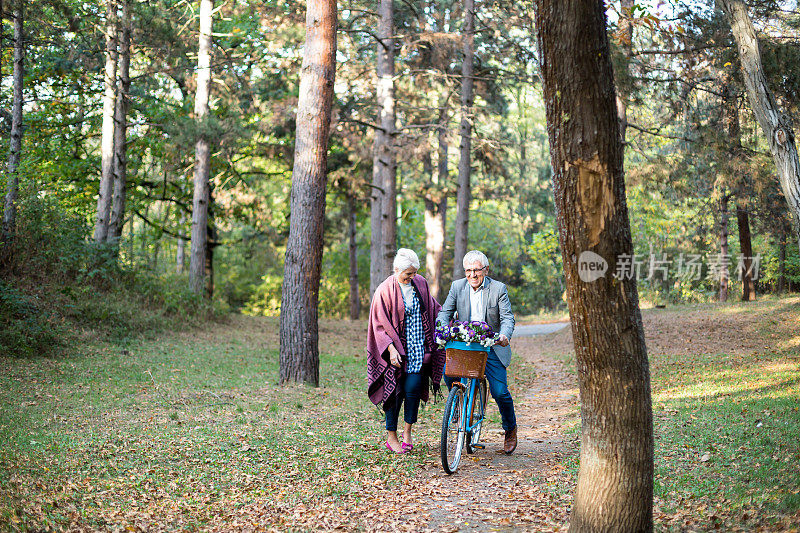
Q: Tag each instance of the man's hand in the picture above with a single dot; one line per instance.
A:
(394, 356)
(503, 340)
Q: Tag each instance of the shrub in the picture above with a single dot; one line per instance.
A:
(25, 328)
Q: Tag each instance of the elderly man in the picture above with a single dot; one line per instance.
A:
(478, 297)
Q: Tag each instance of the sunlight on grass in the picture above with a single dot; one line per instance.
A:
(756, 379)
(789, 344)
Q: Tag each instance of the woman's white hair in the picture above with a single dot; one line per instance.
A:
(405, 258)
(475, 255)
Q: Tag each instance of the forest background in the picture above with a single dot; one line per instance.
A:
(697, 186)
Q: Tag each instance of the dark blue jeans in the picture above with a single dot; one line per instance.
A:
(498, 386)
(409, 389)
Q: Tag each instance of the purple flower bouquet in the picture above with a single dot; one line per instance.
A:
(467, 332)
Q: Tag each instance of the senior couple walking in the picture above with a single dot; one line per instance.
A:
(404, 362)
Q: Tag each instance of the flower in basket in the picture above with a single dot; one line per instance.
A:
(468, 332)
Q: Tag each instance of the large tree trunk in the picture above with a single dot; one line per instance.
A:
(464, 194)
(773, 122)
(107, 135)
(615, 481)
(723, 246)
(384, 164)
(15, 145)
(743, 221)
(121, 119)
(202, 159)
(355, 305)
(299, 330)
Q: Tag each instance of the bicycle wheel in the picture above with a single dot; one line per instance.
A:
(478, 412)
(453, 432)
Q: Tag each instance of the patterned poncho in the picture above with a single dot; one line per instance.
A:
(385, 327)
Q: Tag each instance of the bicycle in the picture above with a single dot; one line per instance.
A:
(468, 395)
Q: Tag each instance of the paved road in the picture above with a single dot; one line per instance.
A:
(538, 329)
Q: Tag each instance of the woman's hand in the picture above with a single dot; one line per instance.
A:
(394, 356)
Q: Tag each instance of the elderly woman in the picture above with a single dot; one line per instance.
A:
(402, 353)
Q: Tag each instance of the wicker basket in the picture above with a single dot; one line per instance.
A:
(465, 360)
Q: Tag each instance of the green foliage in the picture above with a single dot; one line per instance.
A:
(26, 328)
(60, 276)
(769, 272)
(266, 298)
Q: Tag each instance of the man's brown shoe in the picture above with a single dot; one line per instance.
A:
(510, 442)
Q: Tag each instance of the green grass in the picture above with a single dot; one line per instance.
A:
(190, 430)
(183, 428)
(727, 432)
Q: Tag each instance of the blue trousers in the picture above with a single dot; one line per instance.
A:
(409, 390)
(498, 387)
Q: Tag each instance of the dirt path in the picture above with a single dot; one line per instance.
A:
(529, 490)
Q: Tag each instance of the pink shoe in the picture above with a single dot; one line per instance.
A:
(407, 447)
(392, 450)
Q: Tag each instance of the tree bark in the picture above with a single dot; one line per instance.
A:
(211, 244)
(615, 481)
(299, 330)
(464, 195)
(435, 212)
(107, 135)
(180, 254)
(723, 246)
(121, 126)
(384, 165)
(626, 38)
(15, 144)
(782, 264)
(746, 247)
(355, 305)
(776, 125)
(202, 159)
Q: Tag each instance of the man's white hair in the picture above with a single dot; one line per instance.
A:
(404, 259)
(475, 255)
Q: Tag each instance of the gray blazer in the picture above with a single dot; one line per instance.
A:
(497, 306)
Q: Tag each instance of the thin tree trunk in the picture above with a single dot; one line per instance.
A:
(202, 159)
(773, 122)
(143, 233)
(522, 131)
(723, 246)
(443, 182)
(299, 329)
(384, 165)
(615, 481)
(107, 136)
(464, 195)
(435, 205)
(2, 37)
(743, 221)
(211, 244)
(782, 263)
(355, 306)
(626, 37)
(15, 145)
(157, 244)
(180, 254)
(121, 126)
